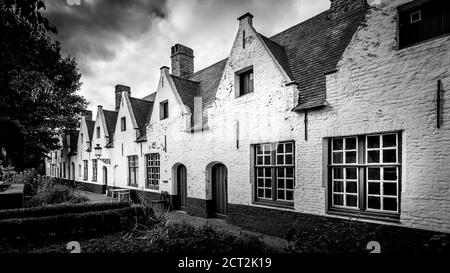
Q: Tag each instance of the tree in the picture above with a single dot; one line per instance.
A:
(38, 87)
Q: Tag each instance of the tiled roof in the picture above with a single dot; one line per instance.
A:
(141, 109)
(279, 53)
(150, 97)
(314, 47)
(204, 84)
(110, 120)
(90, 124)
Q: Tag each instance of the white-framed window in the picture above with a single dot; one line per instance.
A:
(274, 172)
(133, 165)
(153, 170)
(364, 173)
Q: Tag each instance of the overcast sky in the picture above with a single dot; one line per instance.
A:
(126, 42)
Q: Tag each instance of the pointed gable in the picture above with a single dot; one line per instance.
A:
(314, 48)
(110, 120)
(90, 124)
(141, 109)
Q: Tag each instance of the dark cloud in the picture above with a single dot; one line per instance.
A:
(94, 29)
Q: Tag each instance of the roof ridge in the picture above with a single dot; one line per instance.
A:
(133, 98)
(209, 66)
(110, 111)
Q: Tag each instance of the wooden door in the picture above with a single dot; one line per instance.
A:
(219, 190)
(182, 187)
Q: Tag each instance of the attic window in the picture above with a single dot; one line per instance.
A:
(243, 39)
(164, 110)
(98, 132)
(245, 82)
(422, 20)
(123, 124)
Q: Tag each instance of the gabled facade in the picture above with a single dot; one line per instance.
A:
(340, 116)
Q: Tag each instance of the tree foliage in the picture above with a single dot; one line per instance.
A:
(38, 86)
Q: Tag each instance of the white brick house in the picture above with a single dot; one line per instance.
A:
(343, 115)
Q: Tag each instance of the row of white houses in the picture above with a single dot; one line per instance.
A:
(343, 115)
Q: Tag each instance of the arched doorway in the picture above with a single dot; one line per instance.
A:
(219, 189)
(181, 182)
(105, 179)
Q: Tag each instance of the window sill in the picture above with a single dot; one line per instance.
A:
(274, 204)
(393, 218)
(133, 185)
(152, 187)
(423, 42)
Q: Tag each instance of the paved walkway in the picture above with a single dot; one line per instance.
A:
(277, 243)
(98, 198)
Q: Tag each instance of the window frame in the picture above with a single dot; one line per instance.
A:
(152, 170)
(123, 124)
(98, 131)
(135, 169)
(363, 167)
(273, 166)
(85, 169)
(164, 110)
(404, 15)
(94, 170)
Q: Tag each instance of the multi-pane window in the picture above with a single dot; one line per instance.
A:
(274, 172)
(423, 20)
(94, 169)
(365, 172)
(132, 170)
(164, 109)
(123, 124)
(85, 170)
(153, 170)
(246, 82)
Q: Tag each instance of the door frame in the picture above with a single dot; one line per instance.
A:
(177, 198)
(214, 212)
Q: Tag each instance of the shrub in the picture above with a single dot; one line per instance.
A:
(50, 193)
(59, 209)
(72, 223)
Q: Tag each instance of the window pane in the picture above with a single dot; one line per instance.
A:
(338, 186)
(258, 149)
(350, 157)
(259, 160)
(338, 157)
(374, 173)
(351, 173)
(337, 144)
(390, 174)
(352, 200)
(338, 199)
(267, 160)
(261, 193)
(338, 173)
(373, 156)
(390, 204)
(280, 159)
(289, 147)
(374, 188)
(389, 156)
(280, 148)
(268, 183)
(389, 140)
(352, 187)
(288, 159)
(289, 172)
(268, 193)
(280, 195)
(373, 202)
(373, 141)
(289, 195)
(280, 172)
(289, 184)
(390, 189)
(350, 143)
(280, 183)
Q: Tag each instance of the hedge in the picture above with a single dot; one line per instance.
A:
(72, 223)
(59, 209)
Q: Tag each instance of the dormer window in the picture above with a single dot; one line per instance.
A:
(164, 109)
(245, 82)
(123, 124)
(422, 20)
(98, 132)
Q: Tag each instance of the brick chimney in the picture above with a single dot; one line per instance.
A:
(340, 8)
(182, 61)
(119, 89)
(246, 19)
